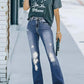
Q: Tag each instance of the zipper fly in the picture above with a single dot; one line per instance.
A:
(37, 24)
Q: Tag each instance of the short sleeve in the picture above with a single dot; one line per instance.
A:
(57, 4)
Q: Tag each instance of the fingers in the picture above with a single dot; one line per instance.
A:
(59, 35)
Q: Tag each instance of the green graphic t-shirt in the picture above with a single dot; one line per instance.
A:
(44, 8)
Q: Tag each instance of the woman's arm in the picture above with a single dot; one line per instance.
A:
(26, 5)
(57, 17)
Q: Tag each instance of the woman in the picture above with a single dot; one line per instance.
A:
(41, 15)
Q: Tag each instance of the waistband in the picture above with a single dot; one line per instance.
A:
(37, 18)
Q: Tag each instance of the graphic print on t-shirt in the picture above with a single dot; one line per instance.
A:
(44, 8)
(38, 7)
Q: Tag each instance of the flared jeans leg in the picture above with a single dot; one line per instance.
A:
(46, 35)
(33, 39)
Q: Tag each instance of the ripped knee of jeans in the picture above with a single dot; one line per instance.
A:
(50, 44)
(51, 56)
(32, 46)
(35, 60)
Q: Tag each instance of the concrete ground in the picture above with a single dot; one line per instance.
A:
(70, 57)
(72, 16)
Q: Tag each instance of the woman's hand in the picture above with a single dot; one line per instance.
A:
(58, 35)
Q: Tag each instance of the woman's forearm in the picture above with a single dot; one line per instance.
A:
(57, 17)
(26, 5)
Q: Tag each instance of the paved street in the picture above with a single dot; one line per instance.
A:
(70, 57)
(72, 16)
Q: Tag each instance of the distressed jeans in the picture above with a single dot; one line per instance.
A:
(36, 29)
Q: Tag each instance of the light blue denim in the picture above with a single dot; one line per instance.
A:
(43, 30)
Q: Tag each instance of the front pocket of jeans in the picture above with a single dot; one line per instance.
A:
(45, 23)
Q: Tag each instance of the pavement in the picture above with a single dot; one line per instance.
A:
(72, 16)
(70, 56)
